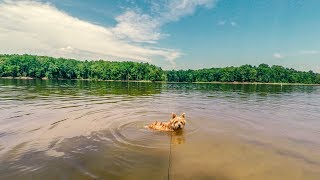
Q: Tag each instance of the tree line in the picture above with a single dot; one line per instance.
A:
(55, 68)
(245, 73)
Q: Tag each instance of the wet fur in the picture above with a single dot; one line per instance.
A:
(174, 124)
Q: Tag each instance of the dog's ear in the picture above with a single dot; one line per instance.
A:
(173, 115)
(183, 115)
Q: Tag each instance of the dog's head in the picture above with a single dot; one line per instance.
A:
(178, 122)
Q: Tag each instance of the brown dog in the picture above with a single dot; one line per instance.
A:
(175, 123)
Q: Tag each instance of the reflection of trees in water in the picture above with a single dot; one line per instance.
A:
(83, 87)
(101, 88)
(244, 88)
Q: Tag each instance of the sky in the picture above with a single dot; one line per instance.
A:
(172, 34)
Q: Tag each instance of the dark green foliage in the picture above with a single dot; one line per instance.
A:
(246, 73)
(54, 68)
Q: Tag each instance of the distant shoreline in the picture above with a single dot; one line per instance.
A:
(145, 81)
(255, 83)
(31, 78)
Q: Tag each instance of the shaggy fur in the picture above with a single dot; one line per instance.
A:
(175, 123)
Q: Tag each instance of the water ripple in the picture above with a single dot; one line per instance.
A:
(96, 127)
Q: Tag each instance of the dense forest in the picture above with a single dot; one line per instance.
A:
(55, 68)
(246, 73)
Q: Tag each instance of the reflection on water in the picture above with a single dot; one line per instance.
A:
(95, 130)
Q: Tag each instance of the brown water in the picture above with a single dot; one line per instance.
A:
(94, 130)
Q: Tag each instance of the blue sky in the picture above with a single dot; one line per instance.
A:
(178, 34)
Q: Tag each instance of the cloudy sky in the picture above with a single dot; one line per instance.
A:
(178, 34)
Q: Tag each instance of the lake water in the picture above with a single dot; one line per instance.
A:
(95, 130)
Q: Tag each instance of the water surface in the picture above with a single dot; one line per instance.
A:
(94, 130)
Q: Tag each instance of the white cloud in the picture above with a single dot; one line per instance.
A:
(137, 27)
(296, 54)
(232, 23)
(176, 9)
(40, 28)
(309, 52)
(221, 23)
(134, 25)
(67, 49)
(227, 22)
(278, 55)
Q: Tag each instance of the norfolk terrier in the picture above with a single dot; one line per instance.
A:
(174, 124)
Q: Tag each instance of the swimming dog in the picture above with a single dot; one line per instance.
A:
(174, 124)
